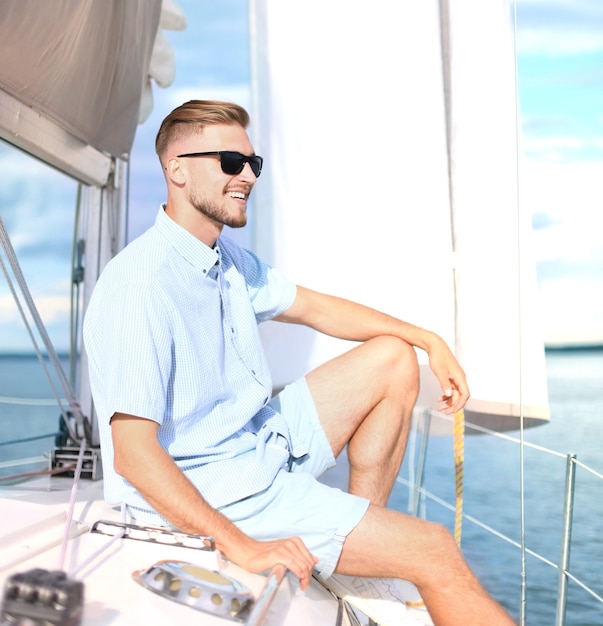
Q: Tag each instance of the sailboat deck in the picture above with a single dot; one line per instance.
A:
(33, 532)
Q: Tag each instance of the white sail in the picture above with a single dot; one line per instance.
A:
(389, 132)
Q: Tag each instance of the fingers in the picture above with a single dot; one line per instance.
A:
(448, 401)
(298, 559)
(454, 397)
(291, 552)
(451, 377)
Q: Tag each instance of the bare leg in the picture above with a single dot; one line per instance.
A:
(390, 544)
(365, 399)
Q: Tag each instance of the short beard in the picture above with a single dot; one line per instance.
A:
(216, 213)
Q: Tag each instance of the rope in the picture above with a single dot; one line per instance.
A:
(74, 489)
(458, 430)
(46, 472)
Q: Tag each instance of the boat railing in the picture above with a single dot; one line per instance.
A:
(22, 462)
(417, 494)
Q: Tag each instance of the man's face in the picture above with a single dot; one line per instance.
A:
(220, 197)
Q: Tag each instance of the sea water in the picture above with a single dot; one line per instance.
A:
(29, 412)
(491, 484)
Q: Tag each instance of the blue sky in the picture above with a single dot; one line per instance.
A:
(560, 72)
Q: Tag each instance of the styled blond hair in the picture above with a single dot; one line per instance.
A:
(193, 116)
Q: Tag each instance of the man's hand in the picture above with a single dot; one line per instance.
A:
(258, 556)
(450, 375)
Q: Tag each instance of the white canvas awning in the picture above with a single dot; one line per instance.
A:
(80, 68)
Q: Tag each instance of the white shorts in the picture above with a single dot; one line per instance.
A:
(297, 504)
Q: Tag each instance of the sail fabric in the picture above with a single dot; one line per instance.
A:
(356, 179)
(389, 136)
(81, 64)
(497, 329)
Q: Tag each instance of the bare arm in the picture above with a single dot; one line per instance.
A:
(348, 320)
(141, 460)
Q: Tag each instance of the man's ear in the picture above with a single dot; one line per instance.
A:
(174, 171)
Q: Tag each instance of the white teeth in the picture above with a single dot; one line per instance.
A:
(237, 194)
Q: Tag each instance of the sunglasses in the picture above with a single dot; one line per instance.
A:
(232, 163)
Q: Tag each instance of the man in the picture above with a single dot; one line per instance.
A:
(190, 436)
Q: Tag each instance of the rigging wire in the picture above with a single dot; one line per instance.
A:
(74, 409)
(523, 584)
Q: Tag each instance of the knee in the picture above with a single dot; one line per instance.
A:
(439, 536)
(398, 362)
(442, 556)
(437, 543)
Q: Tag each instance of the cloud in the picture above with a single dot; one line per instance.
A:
(565, 150)
(36, 200)
(558, 148)
(567, 201)
(213, 49)
(38, 208)
(555, 40)
(541, 219)
(52, 307)
(53, 304)
(572, 310)
(567, 191)
(559, 27)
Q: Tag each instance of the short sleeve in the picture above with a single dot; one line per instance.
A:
(129, 348)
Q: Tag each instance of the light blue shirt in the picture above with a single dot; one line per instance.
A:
(171, 335)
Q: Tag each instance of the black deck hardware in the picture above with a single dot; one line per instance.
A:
(40, 597)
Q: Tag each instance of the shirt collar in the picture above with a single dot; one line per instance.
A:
(188, 246)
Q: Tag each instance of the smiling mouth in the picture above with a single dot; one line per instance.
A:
(237, 194)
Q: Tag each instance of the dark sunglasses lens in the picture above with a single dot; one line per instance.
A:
(256, 165)
(233, 163)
